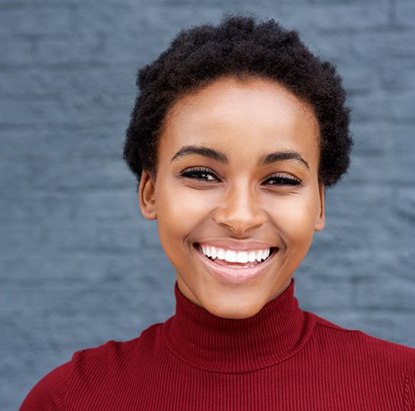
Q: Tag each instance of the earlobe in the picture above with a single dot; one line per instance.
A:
(322, 215)
(146, 196)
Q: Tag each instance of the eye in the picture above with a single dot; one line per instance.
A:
(201, 174)
(282, 180)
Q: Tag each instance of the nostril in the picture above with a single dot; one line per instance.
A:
(240, 221)
(239, 229)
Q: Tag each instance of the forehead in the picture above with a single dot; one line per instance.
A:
(251, 94)
(254, 112)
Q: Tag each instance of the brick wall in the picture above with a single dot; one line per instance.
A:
(79, 266)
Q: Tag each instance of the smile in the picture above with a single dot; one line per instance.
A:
(234, 256)
(235, 266)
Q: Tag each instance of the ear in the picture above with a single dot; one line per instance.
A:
(322, 215)
(146, 196)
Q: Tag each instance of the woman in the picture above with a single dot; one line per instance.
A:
(236, 134)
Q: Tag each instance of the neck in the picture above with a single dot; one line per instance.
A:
(206, 341)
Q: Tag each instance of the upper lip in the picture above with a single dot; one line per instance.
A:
(238, 245)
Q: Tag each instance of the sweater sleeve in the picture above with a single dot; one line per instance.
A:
(409, 389)
(49, 393)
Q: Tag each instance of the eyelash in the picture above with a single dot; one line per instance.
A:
(197, 173)
(284, 180)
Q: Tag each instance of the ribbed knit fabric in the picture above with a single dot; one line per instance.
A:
(282, 358)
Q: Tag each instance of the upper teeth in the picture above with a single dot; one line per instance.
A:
(233, 256)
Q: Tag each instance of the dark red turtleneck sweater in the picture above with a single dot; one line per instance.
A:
(282, 358)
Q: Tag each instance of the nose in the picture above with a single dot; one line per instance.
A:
(240, 211)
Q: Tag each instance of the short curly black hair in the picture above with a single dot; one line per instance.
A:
(243, 47)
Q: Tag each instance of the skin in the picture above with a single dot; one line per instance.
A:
(237, 199)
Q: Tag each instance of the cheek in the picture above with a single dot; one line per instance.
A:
(181, 211)
(295, 218)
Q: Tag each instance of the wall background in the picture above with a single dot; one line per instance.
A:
(79, 266)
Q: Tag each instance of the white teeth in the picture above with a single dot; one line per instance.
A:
(214, 252)
(266, 253)
(230, 256)
(260, 255)
(242, 257)
(233, 256)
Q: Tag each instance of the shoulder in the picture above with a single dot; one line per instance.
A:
(115, 354)
(359, 344)
(381, 364)
(104, 361)
(49, 393)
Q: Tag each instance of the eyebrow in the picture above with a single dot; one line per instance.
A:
(202, 151)
(281, 156)
(221, 157)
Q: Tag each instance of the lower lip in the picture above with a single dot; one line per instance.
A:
(235, 275)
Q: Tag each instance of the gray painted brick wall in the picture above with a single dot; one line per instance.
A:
(79, 266)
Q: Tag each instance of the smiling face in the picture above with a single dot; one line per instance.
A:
(236, 196)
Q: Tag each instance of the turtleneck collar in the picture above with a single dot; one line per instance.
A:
(212, 343)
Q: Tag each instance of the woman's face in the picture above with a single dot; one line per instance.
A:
(237, 196)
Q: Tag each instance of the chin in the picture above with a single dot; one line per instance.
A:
(234, 310)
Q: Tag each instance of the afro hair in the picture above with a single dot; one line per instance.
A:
(243, 47)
